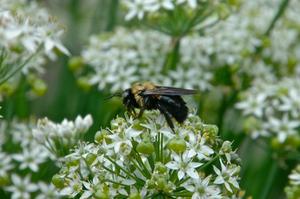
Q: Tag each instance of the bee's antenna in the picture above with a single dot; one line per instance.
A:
(119, 94)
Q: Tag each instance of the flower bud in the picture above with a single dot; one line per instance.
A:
(99, 194)
(90, 158)
(75, 63)
(100, 136)
(116, 123)
(4, 180)
(145, 148)
(226, 147)
(177, 145)
(135, 196)
(84, 83)
(58, 181)
(210, 132)
(160, 168)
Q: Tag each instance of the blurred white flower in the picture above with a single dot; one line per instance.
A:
(283, 127)
(253, 105)
(28, 36)
(21, 187)
(31, 158)
(293, 187)
(138, 8)
(272, 109)
(47, 191)
(5, 164)
(126, 56)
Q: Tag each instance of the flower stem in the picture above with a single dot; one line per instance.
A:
(141, 164)
(125, 171)
(162, 147)
(283, 5)
(173, 56)
(19, 67)
(270, 180)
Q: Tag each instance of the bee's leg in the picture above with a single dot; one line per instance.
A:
(141, 113)
(131, 111)
(167, 116)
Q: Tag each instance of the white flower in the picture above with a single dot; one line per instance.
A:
(26, 28)
(201, 189)
(184, 164)
(31, 158)
(91, 187)
(291, 102)
(295, 178)
(227, 176)
(58, 137)
(283, 127)
(74, 187)
(21, 188)
(5, 164)
(138, 8)
(122, 142)
(191, 3)
(47, 191)
(253, 105)
(166, 4)
(198, 146)
(83, 124)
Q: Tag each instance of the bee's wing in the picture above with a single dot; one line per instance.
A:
(164, 90)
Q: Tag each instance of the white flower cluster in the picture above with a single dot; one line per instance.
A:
(293, 189)
(34, 146)
(140, 8)
(19, 153)
(273, 110)
(60, 138)
(143, 158)
(28, 34)
(237, 40)
(127, 56)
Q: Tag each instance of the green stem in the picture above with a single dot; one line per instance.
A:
(283, 5)
(141, 164)
(113, 172)
(125, 171)
(222, 112)
(270, 180)
(173, 56)
(162, 147)
(18, 68)
(112, 14)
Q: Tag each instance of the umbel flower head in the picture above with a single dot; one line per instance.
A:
(117, 60)
(28, 36)
(293, 189)
(144, 158)
(272, 110)
(60, 138)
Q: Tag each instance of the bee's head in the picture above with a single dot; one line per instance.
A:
(128, 98)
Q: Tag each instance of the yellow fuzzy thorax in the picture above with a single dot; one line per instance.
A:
(137, 88)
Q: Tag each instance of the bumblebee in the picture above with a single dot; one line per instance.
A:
(148, 96)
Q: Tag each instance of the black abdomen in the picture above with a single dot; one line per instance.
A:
(175, 106)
